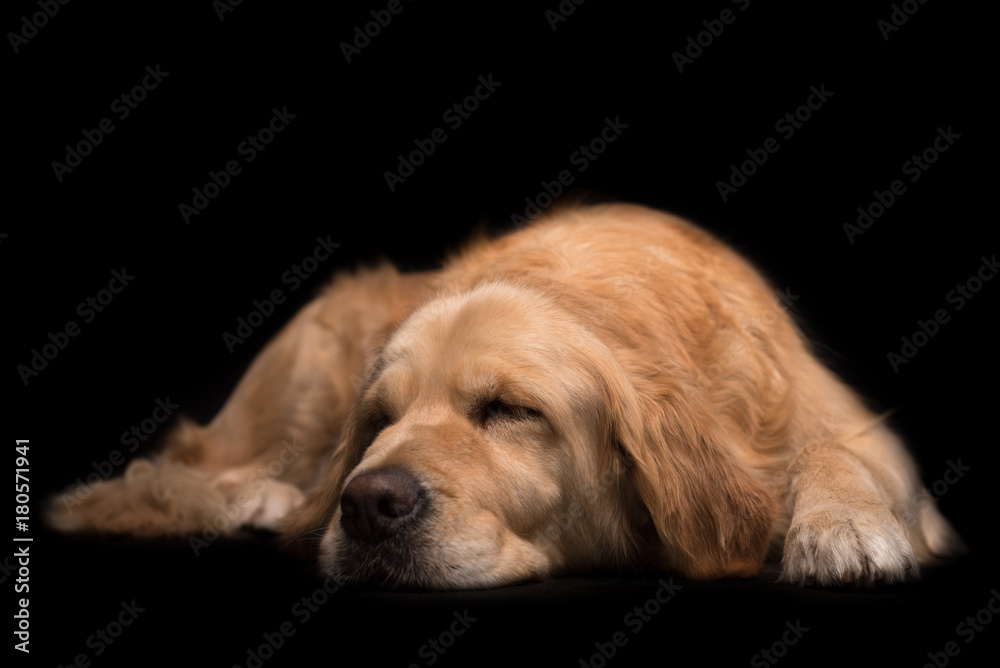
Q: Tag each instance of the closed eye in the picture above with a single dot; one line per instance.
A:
(497, 411)
(380, 422)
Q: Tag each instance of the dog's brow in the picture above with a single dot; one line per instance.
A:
(489, 387)
(499, 388)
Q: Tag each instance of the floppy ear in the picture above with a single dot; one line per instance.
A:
(304, 527)
(713, 519)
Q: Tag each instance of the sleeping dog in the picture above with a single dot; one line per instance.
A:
(609, 387)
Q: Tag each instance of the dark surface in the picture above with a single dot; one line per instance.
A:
(213, 608)
(323, 176)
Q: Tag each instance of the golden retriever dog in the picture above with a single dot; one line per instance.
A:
(608, 388)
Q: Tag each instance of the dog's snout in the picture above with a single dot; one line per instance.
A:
(379, 503)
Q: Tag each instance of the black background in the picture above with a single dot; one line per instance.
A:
(324, 176)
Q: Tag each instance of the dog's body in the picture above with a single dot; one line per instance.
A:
(609, 387)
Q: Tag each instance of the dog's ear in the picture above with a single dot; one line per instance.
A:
(712, 518)
(304, 527)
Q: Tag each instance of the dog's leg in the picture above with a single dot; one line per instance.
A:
(843, 530)
(273, 438)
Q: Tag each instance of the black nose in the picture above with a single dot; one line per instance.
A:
(378, 504)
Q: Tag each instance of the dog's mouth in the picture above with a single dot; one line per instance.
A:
(401, 562)
(395, 531)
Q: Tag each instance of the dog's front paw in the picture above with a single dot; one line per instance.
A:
(843, 545)
(269, 505)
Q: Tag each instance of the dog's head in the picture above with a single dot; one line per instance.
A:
(497, 439)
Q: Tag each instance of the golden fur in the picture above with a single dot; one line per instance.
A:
(608, 387)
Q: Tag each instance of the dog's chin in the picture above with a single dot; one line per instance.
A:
(380, 577)
(393, 564)
(410, 564)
